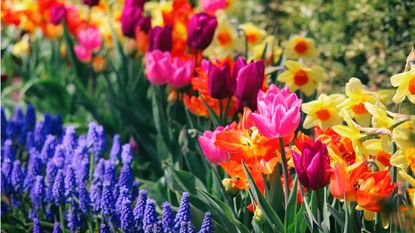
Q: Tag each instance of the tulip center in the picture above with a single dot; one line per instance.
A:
(301, 47)
(224, 37)
(411, 87)
(323, 114)
(359, 109)
(300, 78)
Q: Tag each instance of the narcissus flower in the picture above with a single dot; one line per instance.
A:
(278, 113)
(298, 76)
(313, 166)
(253, 33)
(212, 152)
(300, 47)
(200, 30)
(357, 95)
(406, 86)
(323, 111)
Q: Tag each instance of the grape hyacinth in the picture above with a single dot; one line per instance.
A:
(52, 166)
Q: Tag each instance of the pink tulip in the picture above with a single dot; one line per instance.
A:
(278, 112)
(158, 67)
(211, 6)
(207, 143)
(83, 54)
(90, 39)
(182, 73)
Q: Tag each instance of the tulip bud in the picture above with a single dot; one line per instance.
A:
(160, 38)
(57, 13)
(219, 81)
(313, 166)
(90, 3)
(130, 16)
(229, 186)
(200, 30)
(249, 80)
(259, 217)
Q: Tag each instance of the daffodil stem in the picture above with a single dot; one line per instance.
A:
(284, 171)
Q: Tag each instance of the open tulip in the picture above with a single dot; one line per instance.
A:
(160, 38)
(90, 39)
(278, 113)
(83, 54)
(158, 66)
(313, 166)
(249, 78)
(200, 30)
(207, 143)
(219, 81)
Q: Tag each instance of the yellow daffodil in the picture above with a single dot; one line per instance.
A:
(156, 10)
(353, 133)
(300, 47)
(406, 86)
(267, 50)
(298, 76)
(379, 117)
(323, 112)
(356, 98)
(254, 34)
(21, 48)
(226, 41)
(404, 134)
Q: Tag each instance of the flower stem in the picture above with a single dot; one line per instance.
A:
(284, 171)
(61, 210)
(320, 204)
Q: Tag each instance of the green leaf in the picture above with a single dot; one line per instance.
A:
(269, 213)
(338, 216)
(291, 210)
(182, 181)
(275, 194)
(212, 115)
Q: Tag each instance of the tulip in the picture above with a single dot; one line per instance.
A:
(158, 67)
(57, 13)
(160, 38)
(211, 6)
(200, 30)
(90, 39)
(182, 73)
(219, 81)
(130, 16)
(278, 113)
(83, 54)
(249, 78)
(144, 23)
(313, 166)
(90, 3)
(207, 143)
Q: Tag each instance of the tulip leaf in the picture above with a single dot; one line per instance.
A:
(272, 217)
(212, 115)
(338, 216)
(182, 181)
(291, 210)
(275, 193)
(224, 212)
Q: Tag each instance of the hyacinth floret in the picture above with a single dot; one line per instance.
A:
(167, 217)
(116, 148)
(207, 224)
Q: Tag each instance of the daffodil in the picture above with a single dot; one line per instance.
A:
(21, 48)
(298, 76)
(267, 50)
(357, 95)
(406, 86)
(254, 34)
(226, 41)
(323, 112)
(300, 47)
(404, 134)
(379, 117)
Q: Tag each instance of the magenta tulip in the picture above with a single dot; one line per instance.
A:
(200, 30)
(57, 13)
(211, 6)
(278, 112)
(160, 38)
(182, 73)
(130, 16)
(219, 81)
(158, 67)
(90, 38)
(90, 3)
(313, 166)
(249, 78)
(207, 143)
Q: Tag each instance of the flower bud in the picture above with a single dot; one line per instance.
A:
(200, 30)
(229, 186)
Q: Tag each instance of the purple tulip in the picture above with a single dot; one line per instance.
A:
(249, 78)
(57, 13)
(144, 23)
(219, 81)
(200, 30)
(160, 38)
(90, 3)
(313, 166)
(130, 15)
